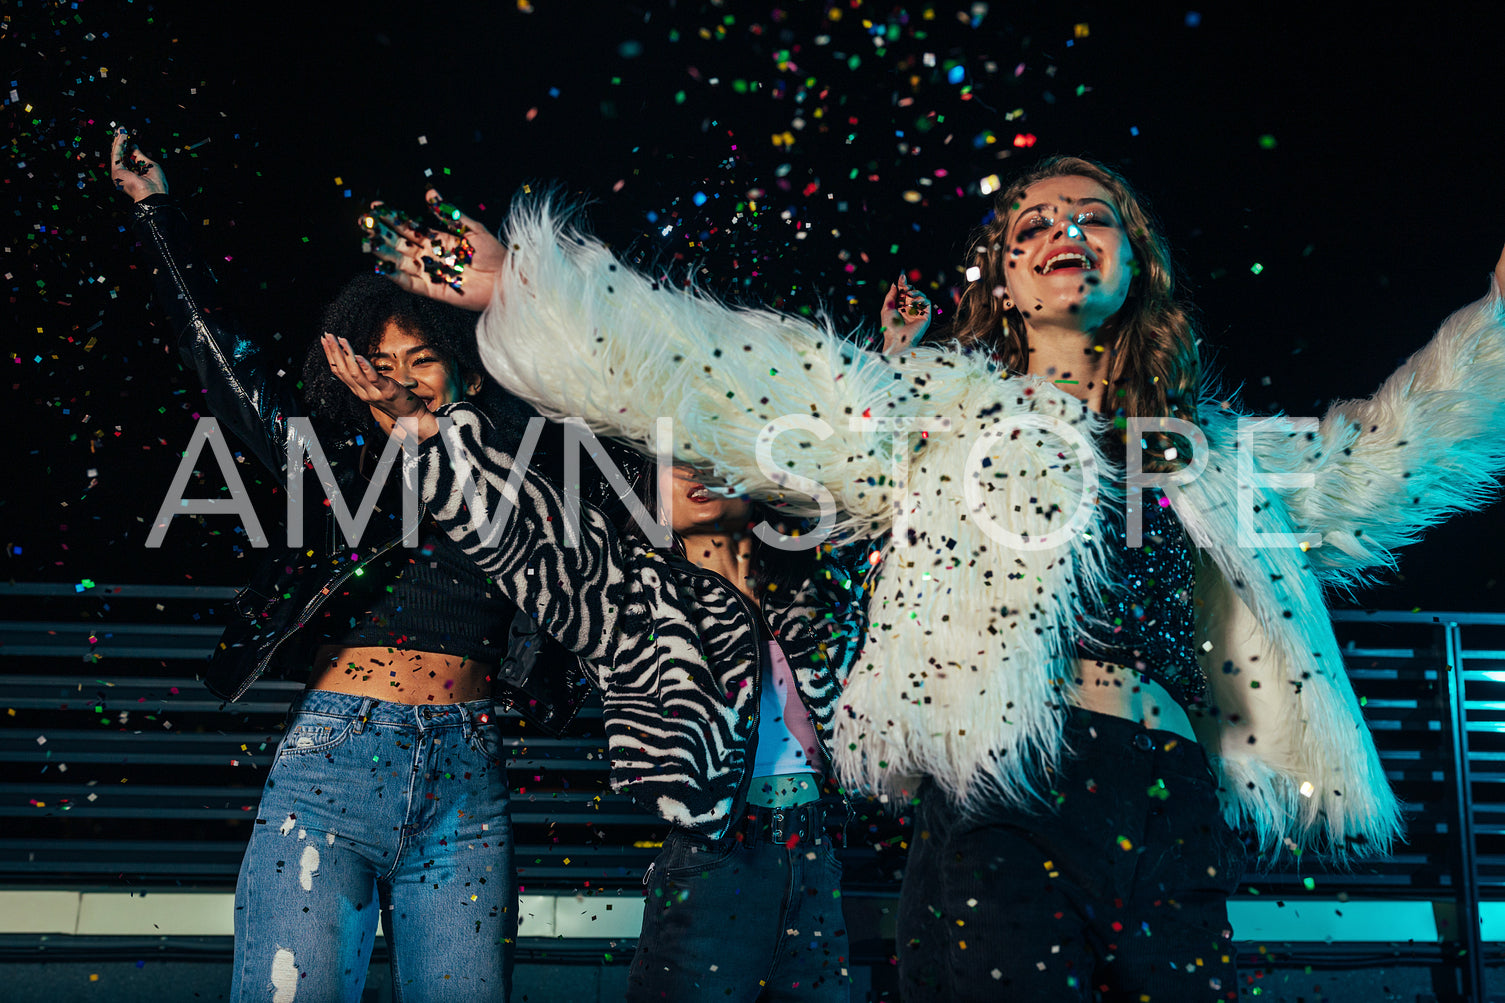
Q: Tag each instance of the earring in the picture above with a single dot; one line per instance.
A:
(1008, 304)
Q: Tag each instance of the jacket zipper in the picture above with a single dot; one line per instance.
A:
(758, 617)
(755, 618)
(308, 612)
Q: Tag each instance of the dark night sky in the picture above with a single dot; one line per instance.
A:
(1356, 160)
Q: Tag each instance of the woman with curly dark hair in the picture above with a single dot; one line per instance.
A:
(718, 639)
(387, 796)
(364, 311)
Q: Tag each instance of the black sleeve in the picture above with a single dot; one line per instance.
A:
(243, 389)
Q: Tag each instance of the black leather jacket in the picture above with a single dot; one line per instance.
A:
(245, 393)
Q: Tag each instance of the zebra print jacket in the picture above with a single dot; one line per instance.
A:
(673, 648)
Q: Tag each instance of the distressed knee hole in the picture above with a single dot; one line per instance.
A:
(308, 866)
(284, 976)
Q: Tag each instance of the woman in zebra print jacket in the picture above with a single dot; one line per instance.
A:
(720, 653)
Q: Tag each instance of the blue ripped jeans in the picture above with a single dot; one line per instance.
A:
(369, 802)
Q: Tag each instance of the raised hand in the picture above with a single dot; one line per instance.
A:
(906, 317)
(130, 169)
(387, 398)
(453, 259)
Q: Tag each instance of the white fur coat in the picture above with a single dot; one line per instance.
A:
(988, 482)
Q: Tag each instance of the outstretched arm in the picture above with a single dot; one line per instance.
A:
(577, 333)
(1429, 443)
(456, 260)
(243, 387)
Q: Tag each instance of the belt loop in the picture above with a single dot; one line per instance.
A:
(363, 714)
(292, 710)
(467, 720)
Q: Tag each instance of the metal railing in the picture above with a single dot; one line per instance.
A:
(119, 767)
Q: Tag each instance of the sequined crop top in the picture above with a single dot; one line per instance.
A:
(1145, 621)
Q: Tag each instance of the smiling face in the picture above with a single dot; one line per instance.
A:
(694, 509)
(1068, 260)
(409, 359)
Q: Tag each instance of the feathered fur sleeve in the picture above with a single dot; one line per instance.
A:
(994, 503)
(1429, 443)
(577, 333)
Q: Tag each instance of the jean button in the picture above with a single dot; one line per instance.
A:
(1143, 742)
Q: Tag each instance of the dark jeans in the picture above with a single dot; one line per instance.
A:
(1115, 890)
(742, 920)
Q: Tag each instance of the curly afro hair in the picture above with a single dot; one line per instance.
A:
(359, 313)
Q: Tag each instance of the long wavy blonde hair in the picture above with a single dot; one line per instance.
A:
(1154, 367)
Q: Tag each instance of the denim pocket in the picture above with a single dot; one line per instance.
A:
(486, 741)
(685, 857)
(315, 733)
(827, 852)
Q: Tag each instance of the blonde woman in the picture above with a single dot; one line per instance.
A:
(1098, 636)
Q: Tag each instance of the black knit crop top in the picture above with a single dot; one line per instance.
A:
(433, 598)
(1145, 620)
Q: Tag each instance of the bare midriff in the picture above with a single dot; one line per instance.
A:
(1120, 692)
(400, 675)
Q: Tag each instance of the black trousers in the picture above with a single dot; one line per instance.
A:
(1115, 890)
